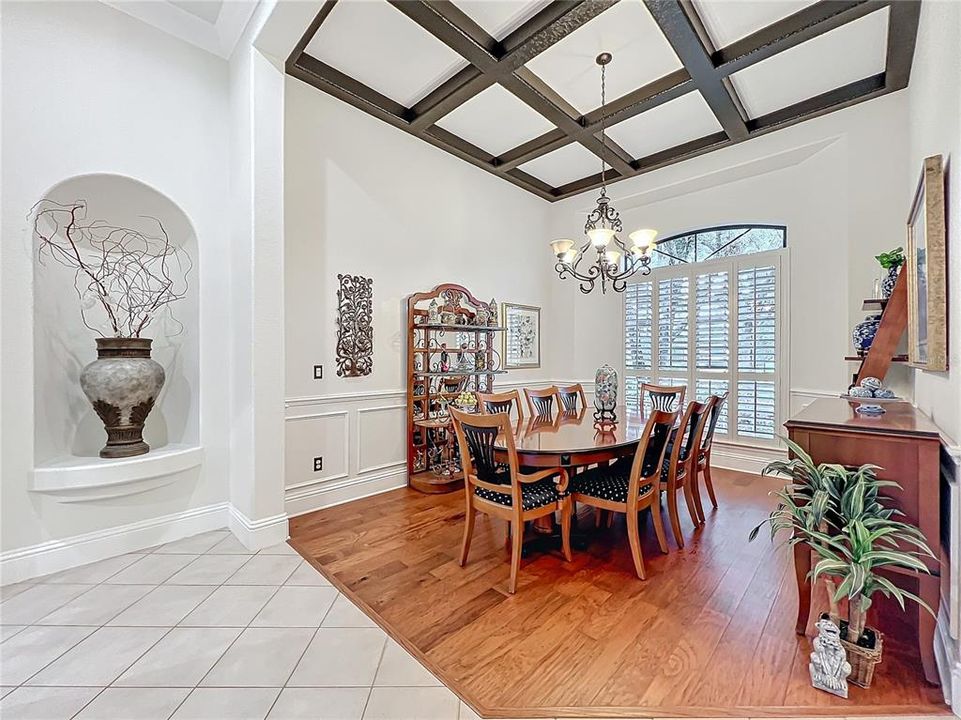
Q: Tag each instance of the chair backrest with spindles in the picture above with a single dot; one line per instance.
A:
(663, 397)
(649, 457)
(688, 437)
(541, 402)
(490, 403)
(572, 398)
(715, 414)
(476, 434)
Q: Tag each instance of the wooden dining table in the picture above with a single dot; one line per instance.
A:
(572, 440)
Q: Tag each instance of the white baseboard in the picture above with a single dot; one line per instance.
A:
(258, 534)
(327, 494)
(744, 457)
(56, 555)
(949, 663)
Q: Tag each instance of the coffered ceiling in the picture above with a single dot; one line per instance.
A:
(512, 87)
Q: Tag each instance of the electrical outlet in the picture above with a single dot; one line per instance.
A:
(318, 372)
(319, 464)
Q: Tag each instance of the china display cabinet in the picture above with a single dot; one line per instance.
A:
(451, 353)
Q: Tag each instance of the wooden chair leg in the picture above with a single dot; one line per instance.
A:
(696, 493)
(567, 507)
(675, 518)
(468, 533)
(610, 519)
(689, 499)
(707, 480)
(517, 538)
(633, 537)
(597, 517)
(659, 526)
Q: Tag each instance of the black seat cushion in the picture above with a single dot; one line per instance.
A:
(533, 495)
(606, 482)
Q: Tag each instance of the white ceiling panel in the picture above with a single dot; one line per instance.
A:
(641, 55)
(730, 20)
(374, 43)
(851, 52)
(207, 10)
(501, 17)
(496, 121)
(666, 126)
(571, 162)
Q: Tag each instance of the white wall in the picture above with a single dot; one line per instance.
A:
(934, 119)
(88, 89)
(365, 198)
(835, 182)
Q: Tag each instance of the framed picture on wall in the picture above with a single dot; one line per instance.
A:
(927, 271)
(522, 341)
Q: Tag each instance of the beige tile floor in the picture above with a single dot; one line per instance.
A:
(202, 629)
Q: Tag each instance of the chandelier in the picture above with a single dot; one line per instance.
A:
(614, 262)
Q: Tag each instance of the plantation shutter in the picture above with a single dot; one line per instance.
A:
(712, 326)
(673, 324)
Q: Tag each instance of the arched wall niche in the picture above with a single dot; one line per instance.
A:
(65, 424)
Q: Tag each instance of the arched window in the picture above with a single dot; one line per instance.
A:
(718, 242)
(709, 316)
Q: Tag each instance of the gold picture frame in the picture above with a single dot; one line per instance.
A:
(522, 340)
(927, 271)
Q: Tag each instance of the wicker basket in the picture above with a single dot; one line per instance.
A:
(863, 660)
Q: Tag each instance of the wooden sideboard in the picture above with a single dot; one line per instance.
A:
(906, 444)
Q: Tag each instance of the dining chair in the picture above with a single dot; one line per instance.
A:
(680, 467)
(490, 403)
(703, 464)
(629, 486)
(572, 397)
(663, 397)
(541, 402)
(502, 490)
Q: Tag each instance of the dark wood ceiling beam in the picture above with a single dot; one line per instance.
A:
(822, 104)
(541, 145)
(804, 25)
(902, 38)
(330, 79)
(311, 30)
(449, 95)
(533, 91)
(670, 87)
(490, 61)
(684, 31)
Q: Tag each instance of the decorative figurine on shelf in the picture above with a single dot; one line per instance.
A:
(483, 316)
(447, 315)
(829, 664)
(433, 313)
(444, 358)
(492, 307)
(605, 394)
(465, 358)
(892, 262)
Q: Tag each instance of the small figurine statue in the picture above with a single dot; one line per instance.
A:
(433, 313)
(492, 306)
(483, 316)
(444, 359)
(829, 664)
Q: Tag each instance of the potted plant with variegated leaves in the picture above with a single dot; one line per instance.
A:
(842, 516)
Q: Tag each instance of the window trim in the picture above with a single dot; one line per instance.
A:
(781, 259)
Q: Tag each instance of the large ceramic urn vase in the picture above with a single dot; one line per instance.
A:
(122, 384)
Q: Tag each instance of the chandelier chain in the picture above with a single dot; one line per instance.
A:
(603, 134)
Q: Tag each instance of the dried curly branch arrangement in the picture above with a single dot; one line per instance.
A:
(132, 276)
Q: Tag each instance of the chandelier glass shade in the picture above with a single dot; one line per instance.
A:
(613, 261)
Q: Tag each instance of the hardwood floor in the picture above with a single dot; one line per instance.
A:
(709, 633)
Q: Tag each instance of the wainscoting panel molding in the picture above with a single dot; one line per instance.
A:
(380, 434)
